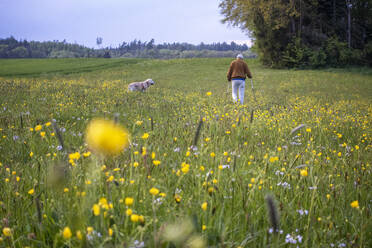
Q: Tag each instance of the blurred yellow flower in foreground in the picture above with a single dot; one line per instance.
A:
(7, 231)
(204, 206)
(129, 201)
(66, 233)
(106, 137)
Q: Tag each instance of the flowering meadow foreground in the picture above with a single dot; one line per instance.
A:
(84, 163)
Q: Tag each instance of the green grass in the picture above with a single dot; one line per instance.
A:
(255, 155)
(37, 67)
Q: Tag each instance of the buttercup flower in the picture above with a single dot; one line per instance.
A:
(354, 204)
(67, 233)
(106, 137)
(154, 191)
(7, 231)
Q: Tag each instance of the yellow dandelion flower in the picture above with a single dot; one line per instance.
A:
(7, 232)
(213, 154)
(110, 232)
(96, 209)
(204, 227)
(273, 159)
(185, 169)
(354, 204)
(156, 162)
(209, 93)
(38, 127)
(204, 206)
(129, 201)
(31, 154)
(303, 173)
(79, 235)
(154, 191)
(177, 198)
(90, 229)
(66, 233)
(129, 212)
(145, 136)
(106, 137)
(42, 134)
(74, 156)
(31, 192)
(86, 154)
(134, 218)
(110, 178)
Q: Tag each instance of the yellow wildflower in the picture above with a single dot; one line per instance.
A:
(303, 173)
(86, 154)
(67, 233)
(156, 162)
(38, 127)
(7, 232)
(129, 212)
(154, 191)
(96, 209)
(106, 137)
(204, 206)
(134, 218)
(129, 201)
(354, 204)
(79, 235)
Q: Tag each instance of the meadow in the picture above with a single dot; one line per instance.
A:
(291, 168)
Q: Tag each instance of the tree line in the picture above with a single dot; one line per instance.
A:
(305, 33)
(12, 48)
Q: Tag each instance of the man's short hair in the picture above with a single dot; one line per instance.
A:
(239, 56)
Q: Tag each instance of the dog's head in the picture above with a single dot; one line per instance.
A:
(150, 82)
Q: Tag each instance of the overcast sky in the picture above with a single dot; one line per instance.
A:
(82, 21)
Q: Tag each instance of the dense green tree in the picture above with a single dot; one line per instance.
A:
(304, 32)
(18, 52)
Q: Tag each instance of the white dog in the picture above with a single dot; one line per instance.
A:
(141, 86)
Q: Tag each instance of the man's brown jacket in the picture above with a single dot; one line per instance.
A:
(238, 69)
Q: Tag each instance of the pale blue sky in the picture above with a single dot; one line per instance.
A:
(81, 21)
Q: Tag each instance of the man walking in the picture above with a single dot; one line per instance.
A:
(237, 73)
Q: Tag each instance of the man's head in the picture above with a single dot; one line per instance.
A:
(239, 56)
